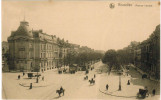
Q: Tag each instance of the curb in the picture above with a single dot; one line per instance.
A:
(32, 86)
(118, 95)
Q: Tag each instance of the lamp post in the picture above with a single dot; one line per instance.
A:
(37, 79)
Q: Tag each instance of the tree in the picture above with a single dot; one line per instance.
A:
(70, 58)
(110, 58)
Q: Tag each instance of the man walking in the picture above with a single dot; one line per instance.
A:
(30, 86)
(23, 73)
(153, 91)
(107, 87)
(18, 76)
(43, 78)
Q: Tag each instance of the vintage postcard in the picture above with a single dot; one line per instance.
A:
(80, 49)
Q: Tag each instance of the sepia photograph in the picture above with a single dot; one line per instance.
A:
(80, 49)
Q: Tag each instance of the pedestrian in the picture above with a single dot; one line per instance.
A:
(30, 86)
(92, 79)
(37, 79)
(94, 75)
(23, 73)
(43, 78)
(128, 83)
(107, 87)
(153, 91)
(18, 76)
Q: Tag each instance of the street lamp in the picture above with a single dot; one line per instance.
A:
(37, 79)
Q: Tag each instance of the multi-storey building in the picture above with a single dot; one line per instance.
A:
(32, 50)
(137, 56)
(147, 56)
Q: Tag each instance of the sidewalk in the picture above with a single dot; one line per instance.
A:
(127, 91)
(141, 72)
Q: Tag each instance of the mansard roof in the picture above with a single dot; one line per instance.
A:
(23, 30)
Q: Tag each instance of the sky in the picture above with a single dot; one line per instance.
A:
(87, 23)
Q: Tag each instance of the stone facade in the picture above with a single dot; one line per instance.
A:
(32, 50)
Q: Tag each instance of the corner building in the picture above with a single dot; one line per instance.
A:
(32, 50)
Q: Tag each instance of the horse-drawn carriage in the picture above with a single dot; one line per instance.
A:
(33, 74)
(142, 93)
(73, 68)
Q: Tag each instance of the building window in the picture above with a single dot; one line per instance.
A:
(22, 54)
(30, 54)
(44, 47)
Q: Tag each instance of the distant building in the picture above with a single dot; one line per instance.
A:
(5, 49)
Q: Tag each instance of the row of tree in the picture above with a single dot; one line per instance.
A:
(116, 58)
(82, 58)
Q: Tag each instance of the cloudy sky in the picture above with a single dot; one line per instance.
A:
(88, 23)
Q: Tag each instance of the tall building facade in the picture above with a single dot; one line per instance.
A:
(32, 50)
(147, 54)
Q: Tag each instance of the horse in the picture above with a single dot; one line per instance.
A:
(92, 81)
(59, 92)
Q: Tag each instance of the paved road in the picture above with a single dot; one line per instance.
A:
(75, 86)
